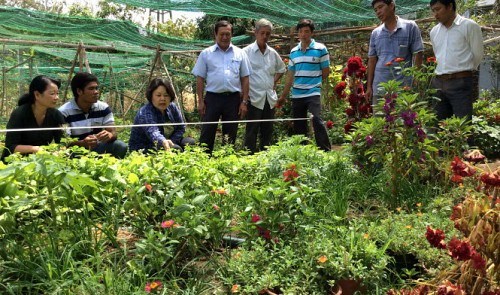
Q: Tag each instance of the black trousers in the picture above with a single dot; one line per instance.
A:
(225, 106)
(264, 129)
(300, 106)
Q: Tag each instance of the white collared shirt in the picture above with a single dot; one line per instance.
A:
(457, 48)
(264, 68)
(222, 69)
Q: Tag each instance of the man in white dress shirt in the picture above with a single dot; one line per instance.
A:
(458, 46)
(267, 69)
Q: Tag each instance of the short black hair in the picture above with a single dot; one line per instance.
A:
(445, 3)
(305, 23)
(157, 82)
(39, 84)
(80, 81)
(385, 1)
(222, 23)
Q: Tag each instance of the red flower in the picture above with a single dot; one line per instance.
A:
(460, 250)
(365, 109)
(449, 289)
(148, 187)
(478, 261)
(361, 72)
(167, 223)
(460, 168)
(435, 237)
(290, 175)
(350, 112)
(399, 59)
(348, 126)
(265, 233)
(457, 178)
(340, 87)
(354, 99)
(388, 64)
(431, 59)
(457, 212)
(491, 179)
(329, 124)
(256, 218)
(354, 64)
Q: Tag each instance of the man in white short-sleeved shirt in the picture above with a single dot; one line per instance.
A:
(267, 69)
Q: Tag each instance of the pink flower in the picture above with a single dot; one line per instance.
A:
(167, 223)
(256, 218)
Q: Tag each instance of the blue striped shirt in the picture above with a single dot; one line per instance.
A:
(99, 115)
(308, 67)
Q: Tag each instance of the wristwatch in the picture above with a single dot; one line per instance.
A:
(245, 101)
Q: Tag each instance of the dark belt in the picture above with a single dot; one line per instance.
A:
(227, 93)
(457, 75)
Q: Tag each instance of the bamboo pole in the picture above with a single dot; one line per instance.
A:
(71, 71)
(56, 44)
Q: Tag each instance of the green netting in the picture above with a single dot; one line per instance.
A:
(283, 12)
(122, 35)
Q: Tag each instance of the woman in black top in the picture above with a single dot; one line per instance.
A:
(36, 109)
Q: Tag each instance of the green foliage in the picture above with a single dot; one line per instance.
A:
(486, 124)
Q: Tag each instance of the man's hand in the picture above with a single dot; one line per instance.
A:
(168, 144)
(202, 108)
(281, 102)
(104, 136)
(368, 94)
(90, 142)
(243, 110)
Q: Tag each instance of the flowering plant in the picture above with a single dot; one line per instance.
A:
(352, 88)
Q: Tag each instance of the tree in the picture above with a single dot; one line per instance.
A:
(206, 26)
(117, 11)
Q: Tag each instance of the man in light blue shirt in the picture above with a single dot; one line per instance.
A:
(392, 44)
(225, 69)
(308, 67)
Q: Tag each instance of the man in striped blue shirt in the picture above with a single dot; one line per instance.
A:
(86, 110)
(308, 67)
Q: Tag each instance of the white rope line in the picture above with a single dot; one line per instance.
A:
(149, 125)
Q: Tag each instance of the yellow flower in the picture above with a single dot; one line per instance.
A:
(419, 214)
(366, 236)
(398, 209)
(409, 227)
(322, 259)
(419, 204)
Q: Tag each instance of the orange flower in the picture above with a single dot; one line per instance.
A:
(219, 191)
(366, 236)
(148, 187)
(399, 59)
(388, 64)
(235, 288)
(431, 59)
(322, 259)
